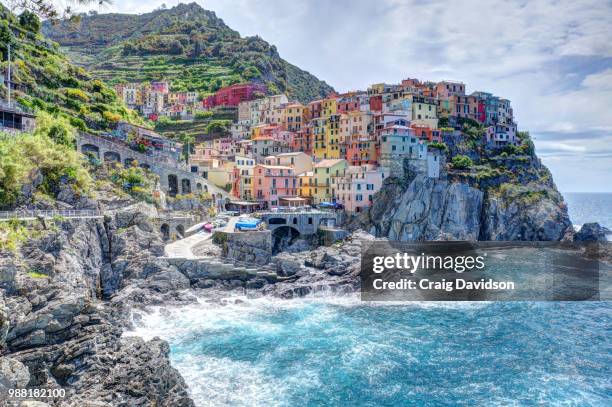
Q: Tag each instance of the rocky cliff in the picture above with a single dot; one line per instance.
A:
(65, 300)
(499, 198)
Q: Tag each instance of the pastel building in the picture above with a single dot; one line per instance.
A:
(265, 146)
(306, 184)
(446, 89)
(297, 160)
(294, 117)
(398, 142)
(501, 135)
(272, 182)
(332, 137)
(322, 177)
(243, 177)
(355, 189)
(424, 111)
(222, 176)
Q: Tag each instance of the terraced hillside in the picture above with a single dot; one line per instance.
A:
(45, 80)
(187, 45)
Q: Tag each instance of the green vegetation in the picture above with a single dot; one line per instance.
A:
(438, 146)
(475, 132)
(207, 125)
(203, 115)
(136, 181)
(523, 194)
(218, 127)
(485, 172)
(188, 44)
(25, 156)
(461, 162)
(12, 234)
(35, 274)
(219, 238)
(48, 82)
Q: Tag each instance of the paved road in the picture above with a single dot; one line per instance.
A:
(183, 248)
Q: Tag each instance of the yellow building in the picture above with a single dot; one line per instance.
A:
(306, 182)
(332, 136)
(318, 137)
(222, 176)
(324, 171)
(329, 107)
(326, 131)
(424, 111)
(294, 115)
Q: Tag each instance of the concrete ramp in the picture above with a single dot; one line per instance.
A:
(184, 248)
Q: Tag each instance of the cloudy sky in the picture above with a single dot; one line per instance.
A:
(553, 59)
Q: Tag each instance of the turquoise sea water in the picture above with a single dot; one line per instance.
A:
(589, 207)
(337, 351)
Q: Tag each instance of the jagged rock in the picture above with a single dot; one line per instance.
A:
(256, 283)
(288, 267)
(68, 195)
(13, 374)
(421, 208)
(591, 232)
(138, 214)
(35, 178)
(169, 280)
(59, 329)
(4, 320)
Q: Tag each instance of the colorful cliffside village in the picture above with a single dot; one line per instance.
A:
(335, 151)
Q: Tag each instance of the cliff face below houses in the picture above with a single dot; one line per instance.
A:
(516, 200)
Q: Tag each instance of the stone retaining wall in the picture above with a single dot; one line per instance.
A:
(248, 247)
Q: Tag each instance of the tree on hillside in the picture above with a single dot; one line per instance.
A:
(29, 21)
(47, 8)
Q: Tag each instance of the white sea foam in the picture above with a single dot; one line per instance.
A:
(215, 380)
(239, 311)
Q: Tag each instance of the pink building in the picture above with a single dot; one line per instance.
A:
(223, 145)
(272, 182)
(161, 87)
(356, 188)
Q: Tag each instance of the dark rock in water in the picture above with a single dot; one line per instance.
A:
(256, 283)
(591, 232)
(288, 267)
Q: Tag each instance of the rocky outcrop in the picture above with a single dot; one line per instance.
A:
(506, 218)
(464, 206)
(592, 232)
(67, 297)
(253, 248)
(335, 268)
(426, 209)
